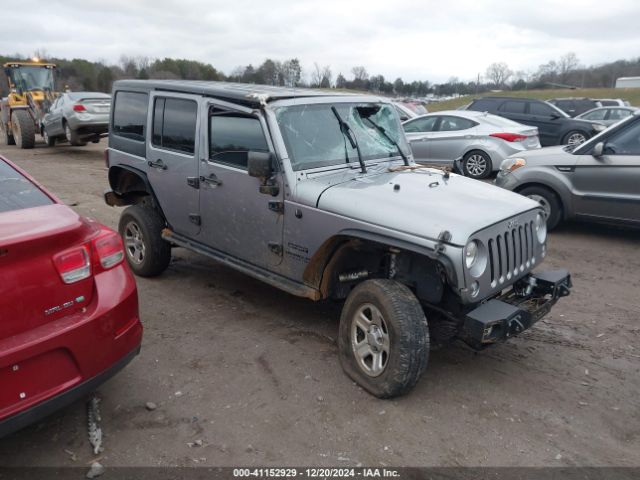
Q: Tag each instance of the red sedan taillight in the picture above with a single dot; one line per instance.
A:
(509, 137)
(108, 249)
(74, 264)
(79, 108)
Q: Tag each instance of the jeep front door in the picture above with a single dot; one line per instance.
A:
(237, 219)
(172, 159)
(606, 187)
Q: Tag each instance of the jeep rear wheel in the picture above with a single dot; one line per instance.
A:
(147, 253)
(384, 338)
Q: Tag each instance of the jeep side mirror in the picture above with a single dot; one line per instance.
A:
(259, 164)
(598, 149)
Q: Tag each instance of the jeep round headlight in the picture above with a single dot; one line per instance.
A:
(470, 254)
(541, 228)
(475, 258)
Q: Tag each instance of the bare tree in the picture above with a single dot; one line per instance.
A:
(498, 73)
(316, 75)
(360, 74)
(567, 64)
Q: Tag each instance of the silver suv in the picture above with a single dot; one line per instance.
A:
(317, 194)
(596, 181)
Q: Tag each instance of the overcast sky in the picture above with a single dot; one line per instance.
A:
(413, 39)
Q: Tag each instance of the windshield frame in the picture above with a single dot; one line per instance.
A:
(329, 101)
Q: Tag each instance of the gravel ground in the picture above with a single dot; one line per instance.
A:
(243, 374)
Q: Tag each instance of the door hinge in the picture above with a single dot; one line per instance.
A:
(277, 207)
(275, 248)
(195, 218)
(193, 182)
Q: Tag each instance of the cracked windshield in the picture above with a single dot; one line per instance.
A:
(313, 136)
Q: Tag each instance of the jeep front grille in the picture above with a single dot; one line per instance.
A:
(511, 252)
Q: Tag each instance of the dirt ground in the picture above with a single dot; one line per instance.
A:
(253, 373)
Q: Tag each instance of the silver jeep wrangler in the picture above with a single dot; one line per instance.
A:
(317, 194)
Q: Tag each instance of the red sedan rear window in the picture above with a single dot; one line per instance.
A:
(17, 192)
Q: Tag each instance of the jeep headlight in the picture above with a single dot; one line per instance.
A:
(475, 258)
(511, 164)
(541, 228)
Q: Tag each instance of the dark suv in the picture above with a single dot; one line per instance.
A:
(554, 126)
(575, 106)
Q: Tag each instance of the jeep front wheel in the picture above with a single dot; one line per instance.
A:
(147, 253)
(384, 338)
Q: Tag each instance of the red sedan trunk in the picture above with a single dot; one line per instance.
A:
(68, 303)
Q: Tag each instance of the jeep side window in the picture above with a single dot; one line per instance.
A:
(130, 115)
(174, 124)
(232, 135)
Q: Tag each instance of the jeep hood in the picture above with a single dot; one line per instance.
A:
(420, 202)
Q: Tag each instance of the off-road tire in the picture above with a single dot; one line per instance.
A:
(6, 136)
(474, 155)
(408, 333)
(50, 141)
(156, 252)
(24, 130)
(547, 199)
(72, 136)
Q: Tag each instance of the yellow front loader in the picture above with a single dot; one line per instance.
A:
(31, 93)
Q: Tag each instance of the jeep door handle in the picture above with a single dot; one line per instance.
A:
(211, 180)
(157, 164)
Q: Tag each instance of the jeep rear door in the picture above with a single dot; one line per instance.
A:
(172, 157)
(238, 220)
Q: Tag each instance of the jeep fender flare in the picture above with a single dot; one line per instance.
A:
(319, 269)
(136, 189)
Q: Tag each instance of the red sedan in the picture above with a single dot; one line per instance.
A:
(68, 303)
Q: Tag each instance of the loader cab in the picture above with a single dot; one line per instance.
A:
(27, 77)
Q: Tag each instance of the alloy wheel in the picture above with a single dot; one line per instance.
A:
(134, 243)
(476, 165)
(370, 340)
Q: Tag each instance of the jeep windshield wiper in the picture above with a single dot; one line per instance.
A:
(349, 135)
(388, 137)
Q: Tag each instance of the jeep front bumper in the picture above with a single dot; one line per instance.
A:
(511, 313)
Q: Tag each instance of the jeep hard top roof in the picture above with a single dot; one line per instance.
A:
(246, 94)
